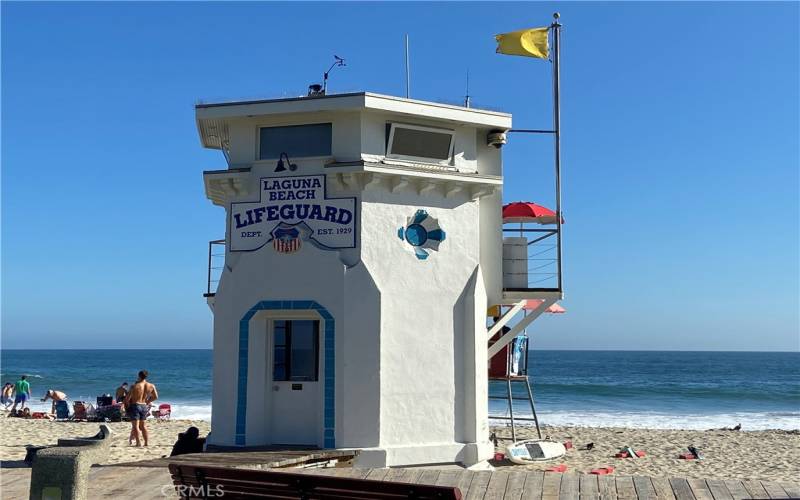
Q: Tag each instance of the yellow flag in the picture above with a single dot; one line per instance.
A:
(530, 43)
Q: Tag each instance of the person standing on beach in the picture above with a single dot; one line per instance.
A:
(121, 393)
(137, 404)
(23, 391)
(8, 391)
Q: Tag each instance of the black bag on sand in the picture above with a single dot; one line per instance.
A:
(111, 412)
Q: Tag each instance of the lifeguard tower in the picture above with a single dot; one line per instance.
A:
(363, 245)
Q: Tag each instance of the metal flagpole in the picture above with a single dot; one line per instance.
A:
(556, 27)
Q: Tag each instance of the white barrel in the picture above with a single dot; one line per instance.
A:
(515, 262)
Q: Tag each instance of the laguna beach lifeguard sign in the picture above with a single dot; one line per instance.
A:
(292, 210)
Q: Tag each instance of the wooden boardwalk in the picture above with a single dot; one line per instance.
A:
(154, 483)
(264, 459)
(523, 485)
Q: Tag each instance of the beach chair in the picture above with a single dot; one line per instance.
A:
(201, 482)
(62, 410)
(78, 410)
(164, 411)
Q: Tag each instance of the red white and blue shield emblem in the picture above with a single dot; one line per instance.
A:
(286, 239)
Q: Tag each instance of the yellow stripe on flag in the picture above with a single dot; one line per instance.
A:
(530, 43)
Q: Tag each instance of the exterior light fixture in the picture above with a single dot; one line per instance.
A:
(280, 166)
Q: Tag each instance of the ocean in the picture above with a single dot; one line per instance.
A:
(651, 389)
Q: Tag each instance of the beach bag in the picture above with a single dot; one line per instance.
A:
(104, 400)
(112, 413)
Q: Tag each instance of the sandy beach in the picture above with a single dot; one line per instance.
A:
(765, 455)
(18, 432)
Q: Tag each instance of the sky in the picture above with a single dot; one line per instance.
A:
(680, 156)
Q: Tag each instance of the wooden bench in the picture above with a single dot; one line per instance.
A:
(200, 482)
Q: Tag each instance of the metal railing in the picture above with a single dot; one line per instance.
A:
(530, 259)
(216, 262)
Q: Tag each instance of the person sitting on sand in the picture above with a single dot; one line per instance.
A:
(55, 396)
(137, 403)
(8, 393)
(188, 442)
(23, 393)
(122, 391)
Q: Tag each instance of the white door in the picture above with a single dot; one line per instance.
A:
(296, 397)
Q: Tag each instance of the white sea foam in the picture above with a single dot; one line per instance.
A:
(36, 405)
(191, 411)
(184, 411)
(643, 420)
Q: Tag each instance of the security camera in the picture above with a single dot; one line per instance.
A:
(496, 139)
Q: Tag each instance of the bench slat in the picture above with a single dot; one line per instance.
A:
(282, 491)
(291, 485)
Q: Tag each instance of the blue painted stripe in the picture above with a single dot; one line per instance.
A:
(329, 408)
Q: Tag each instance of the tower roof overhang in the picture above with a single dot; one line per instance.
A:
(213, 118)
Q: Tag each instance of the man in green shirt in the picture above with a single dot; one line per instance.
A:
(23, 393)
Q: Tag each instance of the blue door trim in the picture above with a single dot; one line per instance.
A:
(330, 365)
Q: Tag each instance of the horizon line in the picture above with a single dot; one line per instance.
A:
(530, 349)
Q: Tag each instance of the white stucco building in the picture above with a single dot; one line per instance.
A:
(363, 246)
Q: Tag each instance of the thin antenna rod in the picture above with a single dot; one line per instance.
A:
(408, 72)
(466, 97)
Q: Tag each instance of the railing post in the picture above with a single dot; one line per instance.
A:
(208, 283)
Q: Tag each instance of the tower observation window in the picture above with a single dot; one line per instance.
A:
(418, 143)
(297, 141)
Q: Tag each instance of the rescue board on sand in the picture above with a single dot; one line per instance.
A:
(532, 450)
